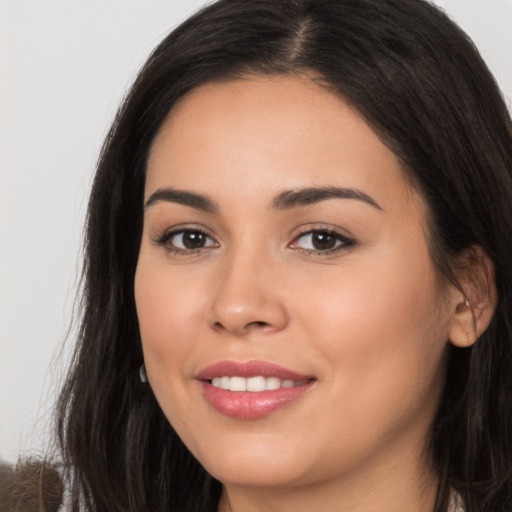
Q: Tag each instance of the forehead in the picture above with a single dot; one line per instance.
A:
(253, 136)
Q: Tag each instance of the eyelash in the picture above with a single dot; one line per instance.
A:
(342, 242)
(165, 239)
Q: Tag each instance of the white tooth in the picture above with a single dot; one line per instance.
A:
(224, 382)
(272, 383)
(256, 384)
(238, 384)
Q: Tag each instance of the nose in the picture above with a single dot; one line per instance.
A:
(247, 298)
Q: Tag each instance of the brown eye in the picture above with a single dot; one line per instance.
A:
(320, 241)
(323, 241)
(187, 240)
(193, 239)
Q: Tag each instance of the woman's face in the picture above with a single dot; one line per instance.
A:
(283, 251)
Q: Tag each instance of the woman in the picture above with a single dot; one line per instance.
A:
(299, 236)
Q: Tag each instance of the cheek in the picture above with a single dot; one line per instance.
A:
(381, 326)
(382, 340)
(169, 311)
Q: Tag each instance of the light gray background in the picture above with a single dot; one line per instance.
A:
(64, 67)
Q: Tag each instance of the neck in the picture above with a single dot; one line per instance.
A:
(398, 486)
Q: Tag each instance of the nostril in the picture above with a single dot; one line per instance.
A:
(247, 327)
(257, 325)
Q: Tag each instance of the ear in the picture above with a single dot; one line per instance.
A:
(475, 300)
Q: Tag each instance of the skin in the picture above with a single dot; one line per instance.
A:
(370, 321)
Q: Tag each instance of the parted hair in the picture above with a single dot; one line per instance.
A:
(419, 82)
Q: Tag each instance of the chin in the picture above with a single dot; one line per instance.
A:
(254, 469)
(242, 476)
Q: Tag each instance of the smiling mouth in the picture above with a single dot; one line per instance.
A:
(256, 384)
(253, 389)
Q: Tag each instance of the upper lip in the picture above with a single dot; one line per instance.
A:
(249, 369)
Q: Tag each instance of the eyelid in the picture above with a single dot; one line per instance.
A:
(322, 226)
(345, 242)
(163, 237)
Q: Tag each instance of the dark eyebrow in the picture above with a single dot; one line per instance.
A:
(306, 196)
(197, 201)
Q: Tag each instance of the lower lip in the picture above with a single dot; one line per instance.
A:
(250, 405)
